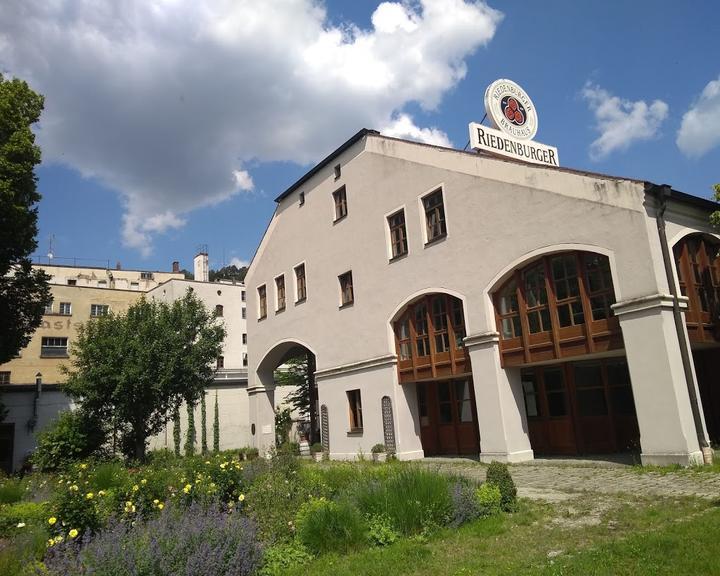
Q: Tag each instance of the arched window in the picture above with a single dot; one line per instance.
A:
(555, 307)
(698, 268)
(429, 339)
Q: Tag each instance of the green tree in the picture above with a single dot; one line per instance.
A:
(231, 272)
(216, 426)
(176, 431)
(24, 292)
(190, 435)
(203, 424)
(715, 216)
(298, 372)
(133, 369)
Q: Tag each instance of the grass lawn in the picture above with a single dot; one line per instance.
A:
(585, 535)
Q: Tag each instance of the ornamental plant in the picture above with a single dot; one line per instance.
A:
(203, 425)
(326, 526)
(216, 426)
(499, 475)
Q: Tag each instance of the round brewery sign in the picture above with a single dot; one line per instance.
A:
(510, 109)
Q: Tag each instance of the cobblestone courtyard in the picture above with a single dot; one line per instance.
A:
(555, 481)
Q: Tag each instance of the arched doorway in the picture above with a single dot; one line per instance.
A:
(429, 335)
(550, 313)
(291, 363)
(697, 261)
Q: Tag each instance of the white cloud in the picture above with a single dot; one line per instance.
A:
(404, 127)
(238, 262)
(167, 102)
(700, 128)
(621, 122)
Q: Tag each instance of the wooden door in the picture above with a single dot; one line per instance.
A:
(559, 428)
(590, 405)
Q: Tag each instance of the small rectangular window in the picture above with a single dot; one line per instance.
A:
(355, 404)
(244, 313)
(65, 308)
(99, 309)
(219, 310)
(242, 295)
(434, 216)
(71, 282)
(398, 234)
(262, 302)
(134, 285)
(300, 287)
(48, 308)
(347, 295)
(221, 362)
(244, 339)
(102, 283)
(340, 199)
(4, 378)
(338, 171)
(245, 360)
(146, 275)
(53, 347)
(280, 293)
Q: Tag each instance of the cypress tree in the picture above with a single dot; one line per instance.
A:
(176, 431)
(203, 423)
(216, 426)
(190, 438)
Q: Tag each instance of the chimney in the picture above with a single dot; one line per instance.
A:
(202, 271)
(118, 266)
(176, 267)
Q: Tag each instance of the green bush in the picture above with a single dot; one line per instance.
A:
(11, 490)
(278, 558)
(108, 475)
(73, 436)
(20, 555)
(498, 475)
(21, 515)
(380, 531)
(489, 499)
(75, 510)
(413, 499)
(326, 526)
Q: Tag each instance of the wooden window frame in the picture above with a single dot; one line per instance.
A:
(397, 229)
(347, 289)
(300, 283)
(355, 411)
(437, 211)
(280, 293)
(262, 301)
(340, 203)
(583, 335)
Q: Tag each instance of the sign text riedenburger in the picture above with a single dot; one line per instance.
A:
(515, 122)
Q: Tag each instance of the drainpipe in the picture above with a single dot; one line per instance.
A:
(662, 193)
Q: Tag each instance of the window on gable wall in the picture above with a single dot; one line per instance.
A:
(347, 295)
(300, 287)
(262, 302)
(398, 234)
(280, 293)
(340, 199)
(435, 216)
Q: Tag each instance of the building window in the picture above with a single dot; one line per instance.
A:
(244, 313)
(221, 362)
(245, 360)
(355, 404)
(302, 198)
(398, 234)
(242, 295)
(4, 378)
(338, 171)
(244, 339)
(52, 347)
(219, 310)
(300, 288)
(71, 282)
(434, 216)
(102, 283)
(262, 302)
(134, 285)
(146, 275)
(99, 309)
(347, 296)
(280, 293)
(340, 199)
(65, 308)
(48, 308)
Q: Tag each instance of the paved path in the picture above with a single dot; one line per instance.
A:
(558, 481)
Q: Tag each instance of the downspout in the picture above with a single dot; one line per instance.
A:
(662, 193)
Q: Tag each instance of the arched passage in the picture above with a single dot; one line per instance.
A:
(556, 325)
(292, 363)
(697, 262)
(429, 333)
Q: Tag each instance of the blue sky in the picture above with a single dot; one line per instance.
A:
(175, 123)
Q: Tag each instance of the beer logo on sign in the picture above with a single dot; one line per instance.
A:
(510, 109)
(513, 110)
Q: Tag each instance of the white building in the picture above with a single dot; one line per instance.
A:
(461, 303)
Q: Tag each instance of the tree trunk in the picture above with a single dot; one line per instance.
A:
(139, 446)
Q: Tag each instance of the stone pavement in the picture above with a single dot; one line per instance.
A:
(561, 479)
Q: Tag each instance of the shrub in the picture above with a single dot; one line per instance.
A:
(316, 448)
(413, 499)
(380, 531)
(19, 556)
(489, 499)
(326, 526)
(200, 541)
(74, 510)
(378, 449)
(466, 506)
(74, 436)
(498, 475)
(108, 475)
(279, 557)
(25, 514)
(11, 490)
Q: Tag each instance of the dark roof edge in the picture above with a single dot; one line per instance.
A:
(657, 190)
(325, 161)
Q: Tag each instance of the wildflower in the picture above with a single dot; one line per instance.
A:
(52, 520)
(89, 496)
(187, 488)
(58, 539)
(241, 497)
(101, 493)
(143, 481)
(156, 501)
(73, 533)
(50, 542)
(128, 504)
(74, 488)
(21, 525)
(161, 506)
(83, 466)
(136, 488)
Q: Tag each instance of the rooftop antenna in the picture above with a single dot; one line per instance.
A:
(50, 254)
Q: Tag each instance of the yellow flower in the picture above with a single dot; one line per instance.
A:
(161, 506)
(241, 497)
(73, 533)
(50, 542)
(83, 466)
(89, 496)
(74, 488)
(101, 493)
(136, 488)
(143, 481)
(156, 501)
(58, 539)
(128, 503)
(21, 524)
(52, 520)
(187, 488)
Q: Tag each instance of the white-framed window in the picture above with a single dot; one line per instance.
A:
(72, 282)
(146, 275)
(65, 308)
(398, 234)
(48, 307)
(244, 313)
(262, 302)
(54, 347)
(219, 310)
(434, 208)
(355, 410)
(340, 201)
(280, 293)
(347, 294)
(134, 285)
(99, 309)
(300, 283)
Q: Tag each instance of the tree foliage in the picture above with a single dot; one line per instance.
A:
(23, 291)
(715, 216)
(295, 373)
(133, 369)
(231, 272)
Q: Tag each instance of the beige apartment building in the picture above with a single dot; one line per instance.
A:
(460, 303)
